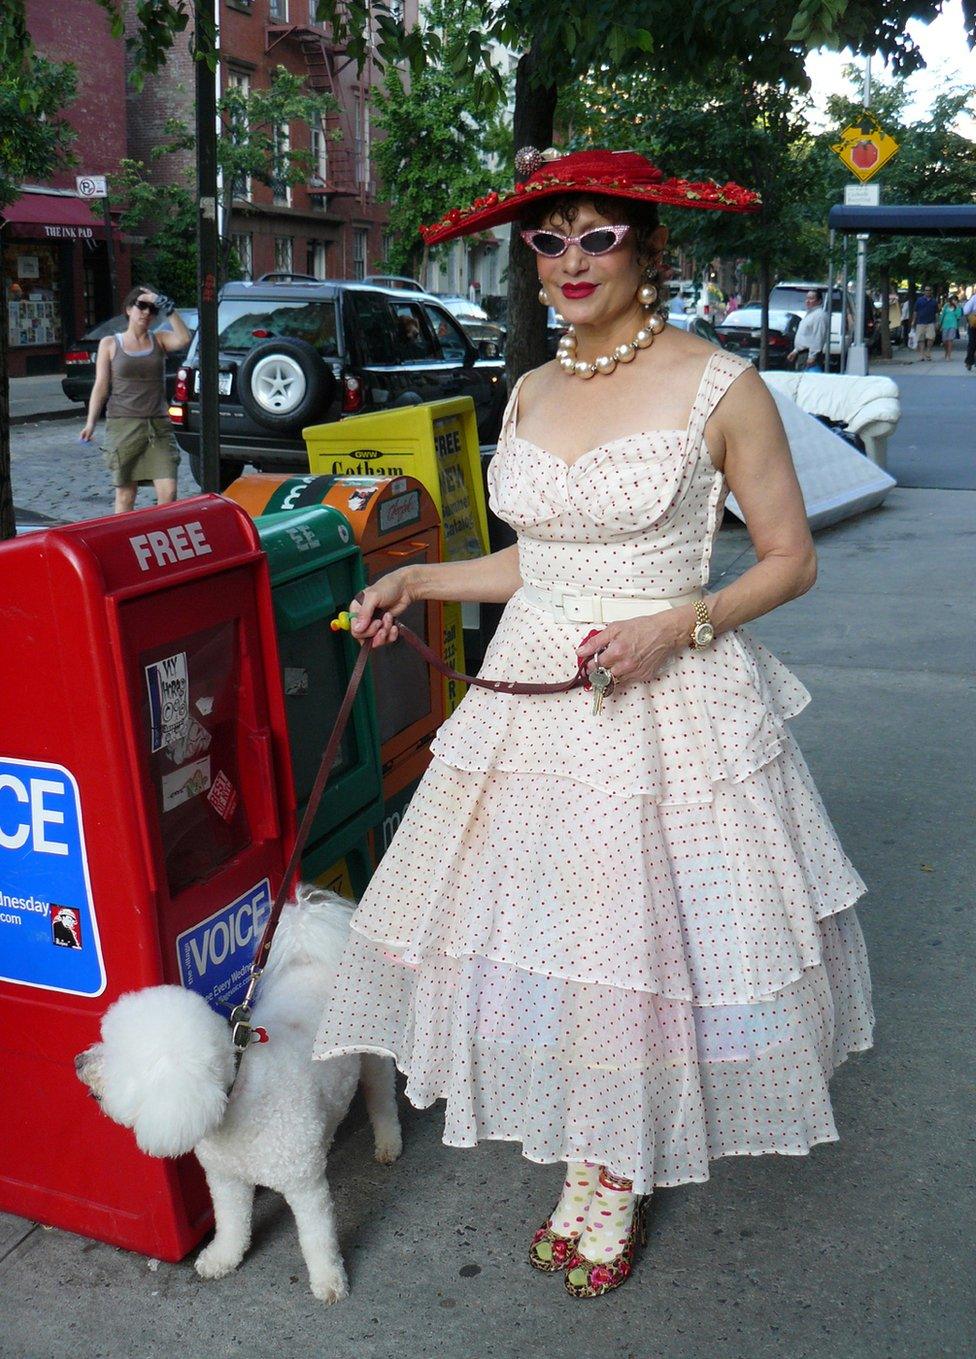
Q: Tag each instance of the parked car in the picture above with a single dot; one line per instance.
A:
(308, 351)
(697, 325)
(79, 359)
(740, 333)
(475, 323)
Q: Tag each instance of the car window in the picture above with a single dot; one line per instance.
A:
(450, 337)
(245, 322)
(373, 327)
(414, 342)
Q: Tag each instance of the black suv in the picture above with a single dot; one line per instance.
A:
(297, 351)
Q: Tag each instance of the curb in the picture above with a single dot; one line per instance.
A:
(46, 415)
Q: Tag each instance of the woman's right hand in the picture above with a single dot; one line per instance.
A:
(376, 608)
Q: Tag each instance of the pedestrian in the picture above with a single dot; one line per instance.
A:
(733, 305)
(810, 340)
(923, 319)
(950, 320)
(140, 449)
(620, 935)
(969, 316)
(906, 318)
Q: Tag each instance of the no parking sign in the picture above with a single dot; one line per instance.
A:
(48, 930)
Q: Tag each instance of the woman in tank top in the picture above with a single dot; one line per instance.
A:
(139, 447)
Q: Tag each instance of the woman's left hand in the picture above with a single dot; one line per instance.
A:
(636, 649)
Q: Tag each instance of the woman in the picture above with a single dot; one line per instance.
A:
(129, 370)
(950, 322)
(622, 938)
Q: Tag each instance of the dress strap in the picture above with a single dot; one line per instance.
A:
(721, 371)
(510, 417)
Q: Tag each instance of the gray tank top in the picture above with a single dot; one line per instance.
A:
(137, 383)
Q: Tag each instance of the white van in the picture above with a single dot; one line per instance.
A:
(791, 295)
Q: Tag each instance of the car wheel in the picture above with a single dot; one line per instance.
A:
(284, 385)
(227, 472)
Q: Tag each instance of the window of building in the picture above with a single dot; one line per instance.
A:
(362, 141)
(360, 247)
(283, 254)
(278, 11)
(318, 259)
(240, 81)
(282, 147)
(320, 151)
(241, 245)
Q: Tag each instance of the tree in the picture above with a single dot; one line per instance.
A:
(432, 152)
(764, 43)
(249, 147)
(34, 140)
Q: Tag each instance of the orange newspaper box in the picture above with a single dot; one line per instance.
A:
(146, 812)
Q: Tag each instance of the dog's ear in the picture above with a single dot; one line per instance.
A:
(167, 1066)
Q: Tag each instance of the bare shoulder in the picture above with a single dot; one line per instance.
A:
(535, 383)
(687, 346)
(746, 396)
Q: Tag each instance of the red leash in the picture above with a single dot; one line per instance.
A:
(243, 1032)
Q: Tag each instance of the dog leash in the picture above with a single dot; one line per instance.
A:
(243, 1032)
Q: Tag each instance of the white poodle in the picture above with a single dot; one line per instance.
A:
(165, 1066)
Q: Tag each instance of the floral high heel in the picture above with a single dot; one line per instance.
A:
(549, 1251)
(591, 1279)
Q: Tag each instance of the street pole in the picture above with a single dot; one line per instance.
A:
(208, 239)
(857, 359)
(843, 312)
(830, 300)
(113, 272)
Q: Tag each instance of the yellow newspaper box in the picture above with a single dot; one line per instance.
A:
(438, 444)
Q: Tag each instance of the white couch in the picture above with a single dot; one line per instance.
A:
(866, 406)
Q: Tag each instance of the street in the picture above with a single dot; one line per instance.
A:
(859, 1250)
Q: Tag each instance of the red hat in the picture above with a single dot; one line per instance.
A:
(609, 174)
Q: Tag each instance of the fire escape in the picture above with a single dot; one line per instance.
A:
(347, 157)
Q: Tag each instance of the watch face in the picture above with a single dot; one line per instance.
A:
(704, 634)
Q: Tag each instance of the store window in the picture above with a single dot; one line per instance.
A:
(283, 254)
(360, 246)
(33, 294)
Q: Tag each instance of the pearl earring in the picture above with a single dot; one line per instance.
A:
(647, 294)
(543, 297)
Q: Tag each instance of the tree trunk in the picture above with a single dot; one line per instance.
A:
(7, 526)
(525, 346)
(764, 313)
(885, 323)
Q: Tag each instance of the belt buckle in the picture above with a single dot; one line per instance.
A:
(579, 608)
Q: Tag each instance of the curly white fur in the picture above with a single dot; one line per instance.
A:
(165, 1066)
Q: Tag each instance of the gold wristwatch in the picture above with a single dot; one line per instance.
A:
(703, 633)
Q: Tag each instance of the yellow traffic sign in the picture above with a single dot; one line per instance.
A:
(865, 147)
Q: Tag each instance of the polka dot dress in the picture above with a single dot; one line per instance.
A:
(629, 939)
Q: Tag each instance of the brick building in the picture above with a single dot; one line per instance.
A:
(332, 226)
(54, 245)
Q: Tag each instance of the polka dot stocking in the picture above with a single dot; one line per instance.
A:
(569, 1213)
(608, 1220)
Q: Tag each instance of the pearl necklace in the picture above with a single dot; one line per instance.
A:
(652, 325)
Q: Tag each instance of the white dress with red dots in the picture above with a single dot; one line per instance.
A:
(624, 938)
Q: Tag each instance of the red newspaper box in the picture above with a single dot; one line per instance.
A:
(145, 818)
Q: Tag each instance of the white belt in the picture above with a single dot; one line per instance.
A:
(575, 606)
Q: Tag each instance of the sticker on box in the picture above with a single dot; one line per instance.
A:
(185, 783)
(223, 796)
(169, 699)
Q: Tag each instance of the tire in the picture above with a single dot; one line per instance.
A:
(284, 385)
(229, 471)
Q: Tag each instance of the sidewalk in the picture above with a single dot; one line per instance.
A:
(860, 1250)
(41, 398)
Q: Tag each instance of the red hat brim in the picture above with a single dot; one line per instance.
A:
(607, 174)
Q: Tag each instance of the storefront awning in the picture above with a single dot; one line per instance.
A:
(52, 217)
(906, 219)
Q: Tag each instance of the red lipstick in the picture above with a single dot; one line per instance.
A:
(576, 290)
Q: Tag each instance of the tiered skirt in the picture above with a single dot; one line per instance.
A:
(627, 938)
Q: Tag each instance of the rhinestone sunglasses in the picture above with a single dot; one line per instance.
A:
(598, 241)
